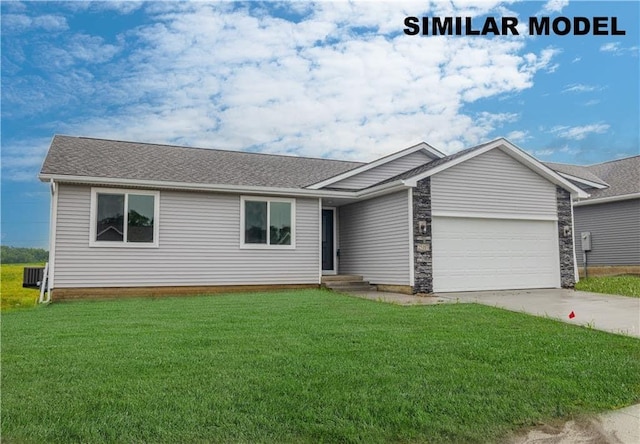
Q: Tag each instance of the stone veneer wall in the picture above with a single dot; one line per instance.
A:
(565, 238)
(422, 251)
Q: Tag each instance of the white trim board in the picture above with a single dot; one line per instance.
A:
(583, 181)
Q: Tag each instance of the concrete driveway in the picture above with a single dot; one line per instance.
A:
(615, 314)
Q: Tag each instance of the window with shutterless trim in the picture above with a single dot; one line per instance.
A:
(267, 222)
(124, 218)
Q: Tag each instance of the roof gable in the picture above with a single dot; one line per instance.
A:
(423, 147)
(412, 177)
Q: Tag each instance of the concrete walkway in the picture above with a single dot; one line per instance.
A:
(615, 314)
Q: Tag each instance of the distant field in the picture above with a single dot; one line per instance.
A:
(12, 295)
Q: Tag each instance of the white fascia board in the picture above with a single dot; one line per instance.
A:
(422, 146)
(223, 188)
(583, 181)
(601, 200)
(516, 153)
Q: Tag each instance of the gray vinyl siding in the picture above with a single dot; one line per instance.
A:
(383, 172)
(199, 244)
(374, 239)
(495, 184)
(615, 232)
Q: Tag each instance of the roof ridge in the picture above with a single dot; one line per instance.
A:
(613, 160)
(208, 149)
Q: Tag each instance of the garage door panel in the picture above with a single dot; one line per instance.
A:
(493, 254)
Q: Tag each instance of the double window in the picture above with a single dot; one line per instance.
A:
(267, 222)
(124, 218)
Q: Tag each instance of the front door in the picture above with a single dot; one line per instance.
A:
(328, 241)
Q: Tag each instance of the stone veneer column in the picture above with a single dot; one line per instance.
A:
(565, 237)
(422, 252)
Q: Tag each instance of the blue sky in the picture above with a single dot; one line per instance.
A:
(329, 79)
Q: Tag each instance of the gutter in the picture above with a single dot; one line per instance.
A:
(223, 188)
(601, 200)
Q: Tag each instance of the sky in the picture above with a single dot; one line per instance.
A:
(328, 79)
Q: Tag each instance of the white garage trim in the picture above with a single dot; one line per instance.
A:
(493, 215)
(472, 254)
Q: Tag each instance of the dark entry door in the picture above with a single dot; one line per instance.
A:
(327, 240)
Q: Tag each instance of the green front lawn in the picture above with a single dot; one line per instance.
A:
(626, 285)
(305, 366)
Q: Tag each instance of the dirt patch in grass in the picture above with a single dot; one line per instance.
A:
(585, 431)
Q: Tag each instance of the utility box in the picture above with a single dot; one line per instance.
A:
(586, 240)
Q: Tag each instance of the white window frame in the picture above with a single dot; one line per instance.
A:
(124, 244)
(267, 246)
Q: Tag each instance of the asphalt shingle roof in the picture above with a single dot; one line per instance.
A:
(622, 176)
(81, 156)
(575, 170)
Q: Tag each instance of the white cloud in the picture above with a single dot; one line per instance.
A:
(613, 47)
(518, 136)
(616, 48)
(553, 6)
(215, 75)
(579, 132)
(23, 22)
(579, 87)
(21, 161)
(542, 153)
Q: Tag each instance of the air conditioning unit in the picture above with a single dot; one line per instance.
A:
(32, 276)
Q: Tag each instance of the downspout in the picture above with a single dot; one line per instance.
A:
(52, 239)
(320, 241)
(412, 264)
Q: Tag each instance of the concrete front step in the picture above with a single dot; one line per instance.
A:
(353, 286)
(341, 277)
(344, 282)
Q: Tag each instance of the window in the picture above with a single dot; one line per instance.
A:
(267, 222)
(124, 218)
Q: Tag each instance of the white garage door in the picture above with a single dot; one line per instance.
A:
(494, 254)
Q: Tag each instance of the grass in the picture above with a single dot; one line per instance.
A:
(304, 366)
(12, 294)
(626, 285)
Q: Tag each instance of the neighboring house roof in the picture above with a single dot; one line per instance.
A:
(100, 158)
(621, 177)
(575, 171)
